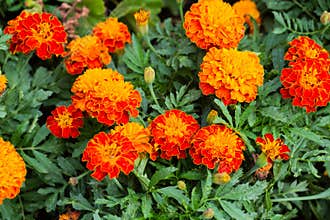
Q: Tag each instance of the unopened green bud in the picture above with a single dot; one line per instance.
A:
(182, 185)
(149, 75)
(325, 18)
(208, 213)
(211, 117)
(221, 178)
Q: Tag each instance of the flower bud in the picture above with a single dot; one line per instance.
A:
(221, 178)
(182, 185)
(211, 116)
(208, 213)
(141, 19)
(263, 172)
(149, 75)
(73, 181)
(325, 18)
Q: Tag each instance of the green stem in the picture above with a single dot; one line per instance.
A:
(181, 10)
(22, 207)
(323, 195)
(83, 174)
(118, 184)
(151, 89)
(143, 180)
(304, 9)
(151, 47)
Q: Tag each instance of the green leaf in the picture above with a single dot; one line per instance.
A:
(224, 111)
(207, 186)
(278, 5)
(146, 205)
(39, 167)
(81, 203)
(126, 7)
(233, 211)
(41, 135)
(191, 175)
(308, 134)
(323, 195)
(175, 193)
(162, 174)
(195, 198)
(246, 191)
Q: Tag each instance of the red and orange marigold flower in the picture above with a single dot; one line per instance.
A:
(104, 95)
(108, 154)
(213, 23)
(42, 32)
(307, 80)
(12, 171)
(114, 34)
(3, 83)
(217, 145)
(233, 76)
(64, 122)
(171, 133)
(273, 148)
(86, 52)
(247, 8)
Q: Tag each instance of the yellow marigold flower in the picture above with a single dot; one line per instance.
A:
(233, 76)
(137, 134)
(104, 95)
(86, 52)
(12, 171)
(247, 8)
(142, 17)
(3, 83)
(114, 34)
(213, 23)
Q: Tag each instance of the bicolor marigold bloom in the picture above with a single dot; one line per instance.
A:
(42, 32)
(108, 154)
(12, 171)
(213, 23)
(217, 145)
(171, 133)
(3, 83)
(307, 82)
(86, 52)
(114, 34)
(137, 134)
(233, 76)
(104, 95)
(247, 8)
(304, 47)
(64, 122)
(273, 149)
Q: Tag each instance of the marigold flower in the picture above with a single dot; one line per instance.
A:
(263, 172)
(70, 215)
(12, 171)
(137, 134)
(104, 95)
(233, 76)
(307, 82)
(217, 145)
(42, 32)
(304, 47)
(141, 19)
(108, 154)
(171, 133)
(65, 122)
(247, 8)
(3, 83)
(213, 23)
(273, 149)
(86, 52)
(114, 34)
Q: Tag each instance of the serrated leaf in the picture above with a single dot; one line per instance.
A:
(162, 174)
(246, 191)
(308, 134)
(175, 193)
(195, 198)
(206, 186)
(41, 135)
(191, 175)
(233, 211)
(224, 110)
(81, 203)
(146, 205)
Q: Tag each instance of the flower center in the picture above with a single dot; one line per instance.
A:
(44, 32)
(308, 78)
(174, 127)
(271, 148)
(111, 151)
(221, 142)
(64, 120)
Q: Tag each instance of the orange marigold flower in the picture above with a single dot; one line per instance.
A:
(86, 52)
(171, 133)
(307, 82)
(142, 17)
(233, 76)
(70, 215)
(12, 171)
(273, 149)
(137, 134)
(104, 95)
(3, 83)
(305, 48)
(247, 8)
(114, 34)
(217, 145)
(213, 23)
(42, 32)
(109, 154)
(65, 122)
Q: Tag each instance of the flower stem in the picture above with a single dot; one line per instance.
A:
(181, 10)
(151, 89)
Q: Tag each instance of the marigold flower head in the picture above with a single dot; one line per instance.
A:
(137, 134)
(114, 34)
(171, 133)
(42, 32)
(12, 171)
(233, 76)
(70, 215)
(263, 172)
(307, 82)
(273, 149)
(108, 154)
(217, 145)
(64, 122)
(3, 83)
(247, 8)
(213, 23)
(104, 95)
(142, 17)
(304, 47)
(86, 52)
